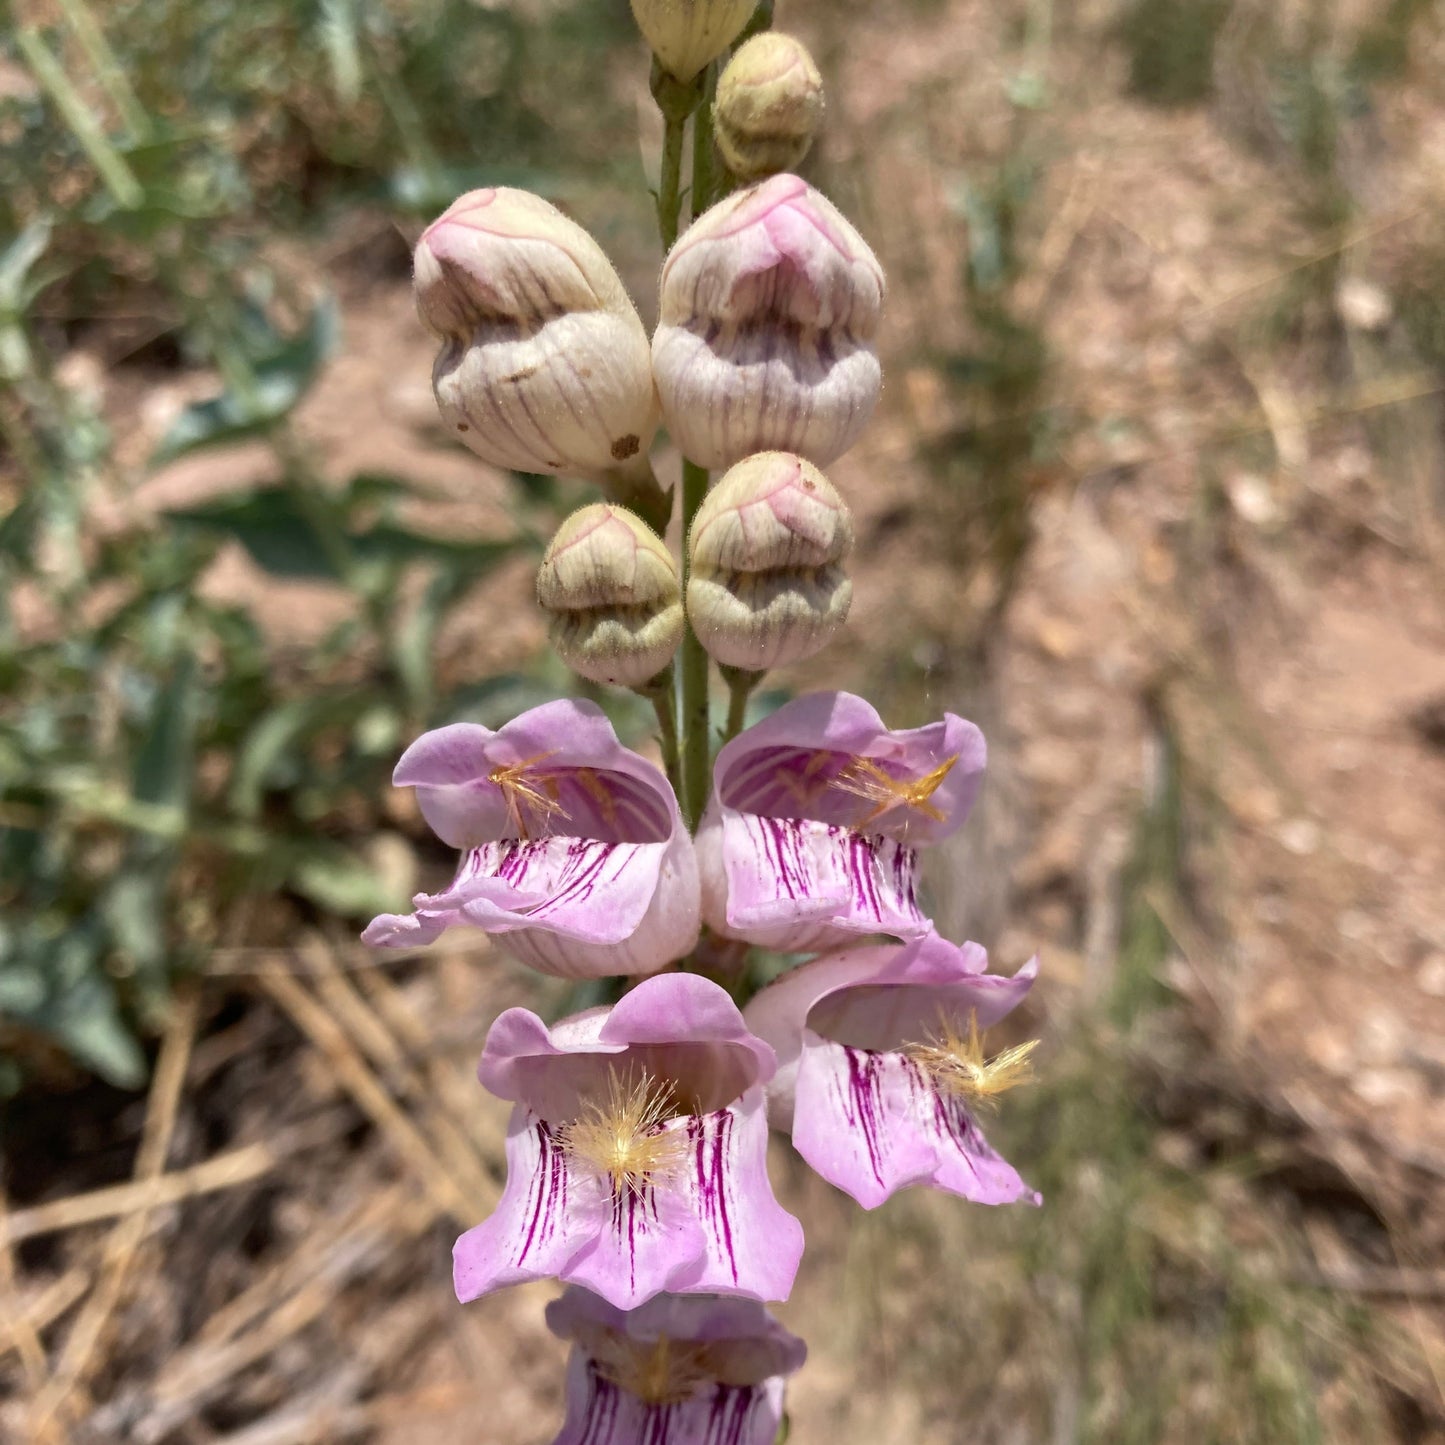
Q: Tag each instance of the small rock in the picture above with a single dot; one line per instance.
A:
(1431, 975)
(1381, 1087)
(1382, 1037)
(1250, 496)
(1363, 305)
(1301, 836)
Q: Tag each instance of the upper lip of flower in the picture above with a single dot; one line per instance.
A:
(558, 769)
(744, 1344)
(681, 1028)
(829, 756)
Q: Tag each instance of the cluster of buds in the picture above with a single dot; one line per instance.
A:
(637, 1148)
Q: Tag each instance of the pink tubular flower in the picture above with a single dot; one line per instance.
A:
(810, 839)
(637, 1153)
(573, 849)
(881, 1072)
(681, 1370)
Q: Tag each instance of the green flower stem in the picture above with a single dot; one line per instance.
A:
(669, 190)
(107, 67)
(740, 689)
(762, 20)
(662, 693)
(702, 146)
(119, 179)
(696, 727)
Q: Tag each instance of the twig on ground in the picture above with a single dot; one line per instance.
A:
(53, 1301)
(370, 1029)
(449, 1193)
(66, 1390)
(24, 1334)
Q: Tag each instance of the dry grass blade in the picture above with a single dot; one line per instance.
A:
(67, 1388)
(119, 1201)
(286, 1300)
(447, 1191)
(53, 1301)
(373, 1031)
(24, 1334)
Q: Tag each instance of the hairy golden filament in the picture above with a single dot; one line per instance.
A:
(958, 1066)
(530, 796)
(865, 779)
(623, 1137)
(660, 1372)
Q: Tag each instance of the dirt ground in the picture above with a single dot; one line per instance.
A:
(1234, 570)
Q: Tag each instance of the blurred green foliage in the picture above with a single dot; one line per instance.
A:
(160, 768)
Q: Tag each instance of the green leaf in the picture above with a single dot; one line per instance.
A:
(343, 49)
(279, 380)
(17, 260)
(89, 1024)
(279, 735)
(340, 881)
(165, 763)
(272, 527)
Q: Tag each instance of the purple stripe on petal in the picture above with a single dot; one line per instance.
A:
(797, 885)
(872, 1123)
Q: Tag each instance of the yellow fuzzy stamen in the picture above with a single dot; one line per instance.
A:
(957, 1064)
(660, 1372)
(622, 1137)
(865, 779)
(530, 796)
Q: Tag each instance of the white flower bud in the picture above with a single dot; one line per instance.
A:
(686, 34)
(611, 592)
(770, 306)
(766, 584)
(769, 103)
(544, 364)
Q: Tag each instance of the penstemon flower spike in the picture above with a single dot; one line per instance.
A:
(637, 1147)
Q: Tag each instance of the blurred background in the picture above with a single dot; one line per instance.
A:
(1156, 493)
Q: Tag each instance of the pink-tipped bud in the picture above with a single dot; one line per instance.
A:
(686, 34)
(770, 306)
(766, 584)
(769, 103)
(611, 593)
(544, 365)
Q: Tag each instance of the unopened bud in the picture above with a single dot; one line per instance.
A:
(686, 34)
(770, 306)
(769, 103)
(611, 593)
(544, 365)
(766, 584)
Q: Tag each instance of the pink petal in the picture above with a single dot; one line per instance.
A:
(537, 1224)
(600, 1413)
(682, 1028)
(879, 998)
(640, 1243)
(871, 1123)
(774, 767)
(799, 885)
(753, 1244)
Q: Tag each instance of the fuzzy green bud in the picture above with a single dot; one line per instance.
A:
(766, 584)
(686, 34)
(769, 103)
(612, 596)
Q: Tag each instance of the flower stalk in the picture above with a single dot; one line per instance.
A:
(637, 1147)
